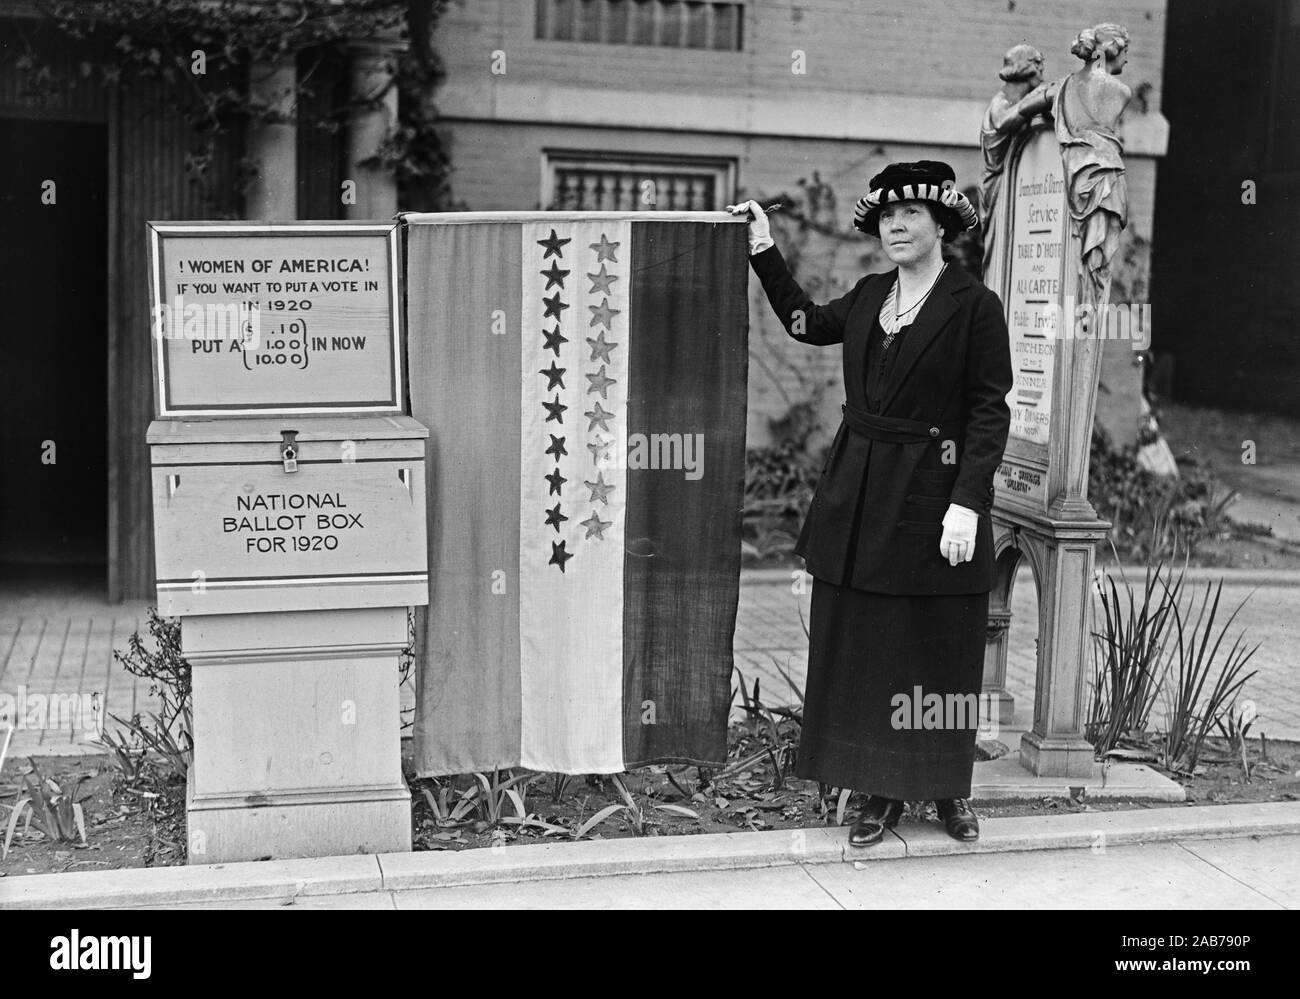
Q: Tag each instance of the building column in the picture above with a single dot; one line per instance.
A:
(374, 192)
(273, 144)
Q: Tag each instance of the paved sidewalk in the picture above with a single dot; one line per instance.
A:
(1236, 874)
(56, 653)
(1230, 856)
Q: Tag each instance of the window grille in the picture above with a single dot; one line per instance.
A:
(589, 182)
(682, 24)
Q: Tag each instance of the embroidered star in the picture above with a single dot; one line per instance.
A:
(554, 307)
(602, 314)
(599, 382)
(600, 349)
(553, 276)
(553, 340)
(598, 415)
(556, 480)
(600, 489)
(601, 281)
(605, 249)
(553, 245)
(557, 446)
(554, 517)
(595, 526)
(599, 449)
(558, 555)
(554, 376)
(555, 410)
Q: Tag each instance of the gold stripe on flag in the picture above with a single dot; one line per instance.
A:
(573, 493)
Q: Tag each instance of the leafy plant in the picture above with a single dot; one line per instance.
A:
(167, 670)
(758, 718)
(584, 828)
(450, 807)
(121, 40)
(776, 729)
(129, 752)
(560, 785)
(166, 733)
(494, 793)
(1127, 657)
(640, 819)
(1235, 726)
(1152, 516)
(55, 812)
(406, 666)
(636, 814)
(779, 482)
(1189, 715)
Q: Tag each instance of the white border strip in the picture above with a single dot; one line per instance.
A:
(466, 218)
(239, 584)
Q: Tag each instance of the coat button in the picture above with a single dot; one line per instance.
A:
(934, 431)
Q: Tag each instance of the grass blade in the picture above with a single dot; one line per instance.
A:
(596, 820)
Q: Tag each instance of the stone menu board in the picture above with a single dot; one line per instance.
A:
(1033, 294)
(256, 319)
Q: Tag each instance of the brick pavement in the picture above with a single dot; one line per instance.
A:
(56, 649)
(768, 630)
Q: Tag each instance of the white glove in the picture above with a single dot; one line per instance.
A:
(760, 233)
(958, 541)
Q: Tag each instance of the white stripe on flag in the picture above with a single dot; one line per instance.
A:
(573, 418)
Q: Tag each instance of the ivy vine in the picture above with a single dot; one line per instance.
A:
(203, 50)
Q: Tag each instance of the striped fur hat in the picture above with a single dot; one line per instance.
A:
(925, 180)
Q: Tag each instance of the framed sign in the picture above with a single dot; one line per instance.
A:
(1038, 306)
(264, 319)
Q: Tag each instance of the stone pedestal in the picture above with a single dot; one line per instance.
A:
(996, 703)
(1061, 555)
(297, 732)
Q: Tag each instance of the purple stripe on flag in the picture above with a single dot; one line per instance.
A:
(687, 380)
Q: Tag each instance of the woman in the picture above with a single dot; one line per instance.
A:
(898, 536)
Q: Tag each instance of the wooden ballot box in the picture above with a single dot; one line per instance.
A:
(289, 531)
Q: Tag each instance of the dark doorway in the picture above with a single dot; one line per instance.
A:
(53, 391)
(1226, 301)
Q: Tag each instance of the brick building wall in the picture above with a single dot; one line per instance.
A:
(881, 82)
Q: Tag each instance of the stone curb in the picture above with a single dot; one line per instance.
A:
(601, 858)
(287, 879)
(152, 886)
(1100, 830)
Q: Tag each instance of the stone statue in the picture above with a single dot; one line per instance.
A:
(1087, 108)
(1022, 96)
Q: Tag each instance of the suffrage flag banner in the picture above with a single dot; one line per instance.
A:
(583, 378)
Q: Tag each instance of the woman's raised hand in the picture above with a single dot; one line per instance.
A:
(760, 233)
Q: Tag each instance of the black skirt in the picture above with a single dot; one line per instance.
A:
(874, 662)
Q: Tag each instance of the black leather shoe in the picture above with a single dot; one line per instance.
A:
(877, 815)
(959, 819)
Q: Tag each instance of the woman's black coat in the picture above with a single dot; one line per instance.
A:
(953, 368)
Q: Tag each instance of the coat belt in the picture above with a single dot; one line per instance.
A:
(897, 430)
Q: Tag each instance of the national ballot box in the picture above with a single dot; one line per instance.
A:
(289, 529)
